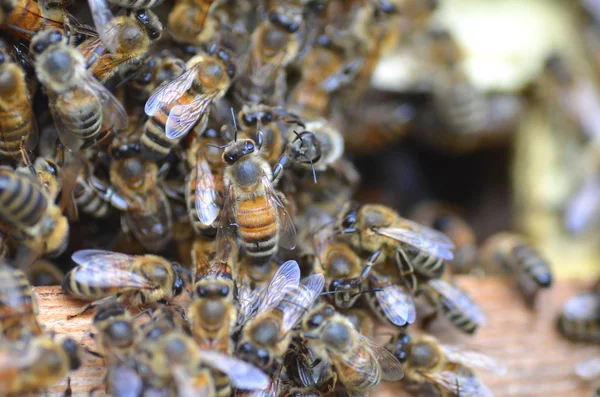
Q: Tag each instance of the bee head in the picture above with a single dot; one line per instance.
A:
(45, 39)
(73, 352)
(225, 56)
(237, 150)
(150, 22)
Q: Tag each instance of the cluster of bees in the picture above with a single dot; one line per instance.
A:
(217, 141)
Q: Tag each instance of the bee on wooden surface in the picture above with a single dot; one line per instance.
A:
(178, 105)
(266, 336)
(29, 214)
(456, 305)
(151, 221)
(44, 272)
(252, 203)
(204, 184)
(32, 365)
(274, 44)
(83, 110)
(359, 362)
(376, 228)
(17, 123)
(121, 40)
(190, 21)
(580, 317)
(135, 280)
(18, 307)
(444, 219)
(513, 252)
(447, 369)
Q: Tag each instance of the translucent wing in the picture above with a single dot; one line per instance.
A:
(125, 381)
(421, 237)
(67, 138)
(303, 298)
(93, 257)
(342, 76)
(463, 384)
(589, 369)
(102, 16)
(226, 227)
(105, 269)
(113, 113)
(473, 359)
(170, 92)
(397, 304)
(455, 296)
(583, 306)
(247, 299)
(206, 193)
(242, 374)
(391, 368)
(287, 230)
(285, 278)
(183, 117)
(582, 211)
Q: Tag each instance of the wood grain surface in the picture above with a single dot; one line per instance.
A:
(539, 361)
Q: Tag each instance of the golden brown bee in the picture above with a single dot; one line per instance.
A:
(44, 272)
(446, 220)
(29, 214)
(135, 280)
(151, 221)
(266, 336)
(456, 305)
(204, 184)
(359, 363)
(514, 253)
(26, 17)
(274, 44)
(376, 228)
(116, 332)
(18, 307)
(83, 110)
(32, 365)
(17, 123)
(178, 105)
(121, 40)
(253, 204)
(447, 369)
(190, 21)
(580, 317)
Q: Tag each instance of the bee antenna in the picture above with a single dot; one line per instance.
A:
(297, 122)
(127, 78)
(367, 291)
(234, 124)
(312, 167)
(20, 29)
(298, 136)
(217, 146)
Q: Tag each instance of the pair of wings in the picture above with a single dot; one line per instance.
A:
(114, 268)
(395, 300)
(455, 296)
(420, 237)
(182, 116)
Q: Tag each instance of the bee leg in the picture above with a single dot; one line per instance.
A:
(278, 168)
(370, 262)
(68, 391)
(90, 306)
(407, 272)
(428, 319)
(93, 353)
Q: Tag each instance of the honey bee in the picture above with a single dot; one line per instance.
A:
(274, 44)
(376, 228)
(43, 272)
(446, 220)
(84, 111)
(447, 369)
(18, 305)
(266, 336)
(390, 300)
(253, 204)
(579, 320)
(321, 144)
(115, 336)
(359, 363)
(151, 221)
(24, 18)
(458, 307)
(190, 21)
(32, 365)
(29, 214)
(17, 123)
(135, 280)
(178, 105)
(513, 252)
(121, 40)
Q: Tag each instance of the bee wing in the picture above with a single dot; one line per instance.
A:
(456, 296)
(421, 237)
(285, 278)
(102, 16)
(583, 306)
(247, 299)
(67, 138)
(588, 369)
(308, 290)
(473, 359)
(125, 381)
(287, 230)
(206, 193)
(92, 257)
(105, 269)
(463, 384)
(170, 92)
(183, 117)
(397, 304)
(226, 227)
(113, 113)
(198, 385)
(391, 368)
(582, 211)
(243, 375)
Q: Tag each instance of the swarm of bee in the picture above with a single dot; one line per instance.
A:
(212, 150)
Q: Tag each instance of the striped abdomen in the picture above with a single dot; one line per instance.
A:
(80, 280)
(81, 113)
(257, 226)
(135, 4)
(152, 229)
(88, 200)
(18, 307)
(426, 265)
(580, 330)
(580, 318)
(22, 200)
(364, 373)
(16, 119)
(463, 107)
(530, 262)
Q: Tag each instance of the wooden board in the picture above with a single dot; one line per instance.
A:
(539, 361)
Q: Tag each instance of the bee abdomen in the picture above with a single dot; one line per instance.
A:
(84, 122)
(155, 144)
(27, 16)
(460, 318)
(257, 228)
(89, 201)
(71, 286)
(15, 126)
(427, 265)
(135, 4)
(222, 384)
(582, 331)
(534, 265)
(21, 201)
